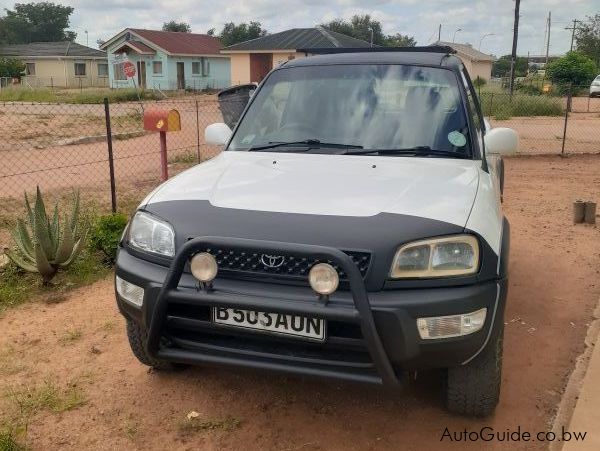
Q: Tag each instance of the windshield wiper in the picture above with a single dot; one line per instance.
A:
(417, 150)
(308, 143)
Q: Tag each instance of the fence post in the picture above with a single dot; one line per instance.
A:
(198, 130)
(491, 102)
(111, 163)
(569, 94)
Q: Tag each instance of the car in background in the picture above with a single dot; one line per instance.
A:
(595, 87)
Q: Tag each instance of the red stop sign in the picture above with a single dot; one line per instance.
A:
(129, 69)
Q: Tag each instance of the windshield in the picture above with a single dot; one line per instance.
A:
(363, 106)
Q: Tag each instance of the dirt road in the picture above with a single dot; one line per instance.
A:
(81, 343)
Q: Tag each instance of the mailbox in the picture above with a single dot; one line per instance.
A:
(162, 121)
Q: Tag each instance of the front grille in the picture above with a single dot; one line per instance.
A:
(234, 261)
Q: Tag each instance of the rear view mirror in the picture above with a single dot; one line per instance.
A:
(217, 134)
(502, 141)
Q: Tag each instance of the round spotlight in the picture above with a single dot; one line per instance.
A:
(323, 278)
(204, 267)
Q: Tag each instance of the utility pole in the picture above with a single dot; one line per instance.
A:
(573, 34)
(548, 42)
(440, 33)
(513, 59)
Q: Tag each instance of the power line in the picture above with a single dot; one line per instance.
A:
(574, 27)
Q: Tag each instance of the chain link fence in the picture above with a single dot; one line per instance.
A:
(64, 146)
(61, 147)
(547, 124)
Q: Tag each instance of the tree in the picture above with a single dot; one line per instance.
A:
(587, 38)
(400, 40)
(211, 32)
(501, 67)
(574, 68)
(36, 22)
(365, 28)
(232, 33)
(11, 67)
(180, 27)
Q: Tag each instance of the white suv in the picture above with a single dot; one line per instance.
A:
(351, 229)
(595, 87)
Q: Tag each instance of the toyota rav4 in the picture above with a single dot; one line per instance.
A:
(351, 228)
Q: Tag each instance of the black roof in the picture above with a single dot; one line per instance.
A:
(300, 38)
(422, 56)
(48, 49)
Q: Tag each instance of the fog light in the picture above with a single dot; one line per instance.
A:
(452, 325)
(323, 278)
(204, 267)
(130, 292)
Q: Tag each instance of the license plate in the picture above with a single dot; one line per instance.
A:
(275, 323)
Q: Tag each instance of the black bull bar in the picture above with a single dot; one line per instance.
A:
(361, 312)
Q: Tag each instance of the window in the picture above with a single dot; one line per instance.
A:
(119, 73)
(376, 106)
(157, 67)
(80, 69)
(102, 70)
(29, 68)
(196, 68)
(205, 67)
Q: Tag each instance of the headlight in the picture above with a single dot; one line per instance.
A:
(438, 257)
(151, 234)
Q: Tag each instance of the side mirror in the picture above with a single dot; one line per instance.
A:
(217, 134)
(502, 141)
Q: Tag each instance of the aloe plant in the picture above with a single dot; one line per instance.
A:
(48, 244)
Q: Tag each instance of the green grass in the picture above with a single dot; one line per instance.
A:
(197, 425)
(95, 96)
(17, 286)
(502, 107)
(70, 336)
(184, 158)
(9, 442)
(48, 397)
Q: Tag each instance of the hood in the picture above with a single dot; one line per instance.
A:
(331, 185)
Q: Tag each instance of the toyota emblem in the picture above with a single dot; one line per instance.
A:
(272, 261)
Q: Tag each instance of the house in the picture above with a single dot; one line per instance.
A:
(59, 64)
(478, 64)
(167, 60)
(252, 60)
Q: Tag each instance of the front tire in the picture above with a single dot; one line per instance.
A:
(474, 389)
(137, 340)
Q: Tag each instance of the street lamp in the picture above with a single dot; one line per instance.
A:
(87, 43)
(484, 36)
(454, 35)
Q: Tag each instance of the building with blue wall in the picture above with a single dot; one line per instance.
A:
(167, 60)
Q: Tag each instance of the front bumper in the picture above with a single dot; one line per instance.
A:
(372, 337)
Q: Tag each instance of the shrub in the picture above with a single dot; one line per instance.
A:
(11, 67)
(106, 233)
(47, 245)
(503, 106)
(479, 82)
(573, 69)
(531, 90)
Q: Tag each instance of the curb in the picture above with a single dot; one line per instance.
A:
(568, 402)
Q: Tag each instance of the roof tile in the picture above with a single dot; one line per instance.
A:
(300, 38)
(179, 43)
(46, 49)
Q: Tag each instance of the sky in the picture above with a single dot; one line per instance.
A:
(103, 19)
